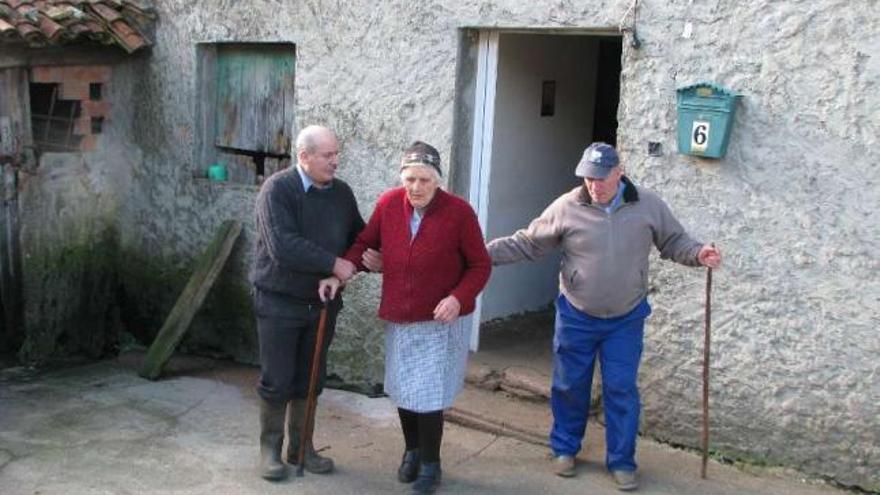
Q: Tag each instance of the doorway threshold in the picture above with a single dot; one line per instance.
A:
(507, 390)
(515, 356)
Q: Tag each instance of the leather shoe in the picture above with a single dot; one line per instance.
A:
(563, 465)
(409, 466)
(626, 480)
(428, 479)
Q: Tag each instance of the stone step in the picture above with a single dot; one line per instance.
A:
(520, 381)
(512, 401)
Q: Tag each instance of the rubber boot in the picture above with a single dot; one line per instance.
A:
(429, 478)
(314, 463)
(271, 438)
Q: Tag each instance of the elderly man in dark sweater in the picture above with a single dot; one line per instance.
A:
(305, 220)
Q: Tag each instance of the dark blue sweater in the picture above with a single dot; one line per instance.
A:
(300, 234)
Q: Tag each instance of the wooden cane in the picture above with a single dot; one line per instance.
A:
(311, 400)
(706, 372)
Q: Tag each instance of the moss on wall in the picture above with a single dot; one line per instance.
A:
(223, 326)
(70, 306)
(149, 286)
(80, 297)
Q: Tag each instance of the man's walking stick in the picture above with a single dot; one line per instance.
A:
(311, 400)
(706, 372)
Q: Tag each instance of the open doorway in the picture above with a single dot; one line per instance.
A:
(538, 100)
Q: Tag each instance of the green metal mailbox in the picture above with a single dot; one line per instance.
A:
(705, 118)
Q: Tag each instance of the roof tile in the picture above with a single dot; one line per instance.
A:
(106, 12)
(50, 28)
(60, 22)
(5, 27)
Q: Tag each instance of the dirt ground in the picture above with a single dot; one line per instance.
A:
(100, 429)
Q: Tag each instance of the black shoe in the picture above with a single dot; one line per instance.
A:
(409, 466)
(428, 479)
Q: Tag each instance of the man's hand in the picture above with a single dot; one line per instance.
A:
(343, 269)
(372, 259)
(327, 288)
(447, 310)
(710, 256)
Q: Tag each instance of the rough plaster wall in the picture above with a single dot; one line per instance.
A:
(69, 207)
(795, 368)
(67, 219)
(795, 373)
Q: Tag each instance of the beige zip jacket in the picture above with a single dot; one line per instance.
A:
(604, 270)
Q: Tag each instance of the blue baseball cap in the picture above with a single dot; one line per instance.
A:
(597, 162)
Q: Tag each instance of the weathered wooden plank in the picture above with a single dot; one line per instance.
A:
(10, 260)
(14, 114)
(272, 165)
(7, 140)
(206, 108)
(23, 56)
(227, 85)
(255, 97)
(208, 268)
(15, 136)
(239, 168)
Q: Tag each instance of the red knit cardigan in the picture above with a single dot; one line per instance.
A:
(447, 256)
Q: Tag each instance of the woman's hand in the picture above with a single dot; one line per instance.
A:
(327, 288)
(372, 259)
(447, 310)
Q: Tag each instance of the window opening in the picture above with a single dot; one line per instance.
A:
(97, 125)
(53, 119)
(548, 98)
(95, 90)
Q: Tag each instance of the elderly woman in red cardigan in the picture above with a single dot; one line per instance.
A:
(434, 265)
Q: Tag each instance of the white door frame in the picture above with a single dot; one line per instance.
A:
(481, 154)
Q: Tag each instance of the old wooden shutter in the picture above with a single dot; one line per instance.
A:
(254, 109)
(15, 125)
(15, 140)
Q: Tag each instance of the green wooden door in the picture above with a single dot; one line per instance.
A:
(255, 97)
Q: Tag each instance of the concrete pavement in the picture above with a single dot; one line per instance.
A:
(101, 429)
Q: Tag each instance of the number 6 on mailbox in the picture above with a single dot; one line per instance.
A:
(700, 136)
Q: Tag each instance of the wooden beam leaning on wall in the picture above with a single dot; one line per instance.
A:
(207, 269)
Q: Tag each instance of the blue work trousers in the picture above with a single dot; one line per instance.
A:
(618, 341)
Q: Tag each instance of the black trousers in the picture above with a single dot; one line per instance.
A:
(287, 332)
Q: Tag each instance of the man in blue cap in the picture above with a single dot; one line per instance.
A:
(605, 228)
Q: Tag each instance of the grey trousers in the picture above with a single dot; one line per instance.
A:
(287, 332)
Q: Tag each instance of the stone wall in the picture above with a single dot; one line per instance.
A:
(795, 370)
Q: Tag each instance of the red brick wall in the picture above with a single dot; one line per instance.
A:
(74, 84)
